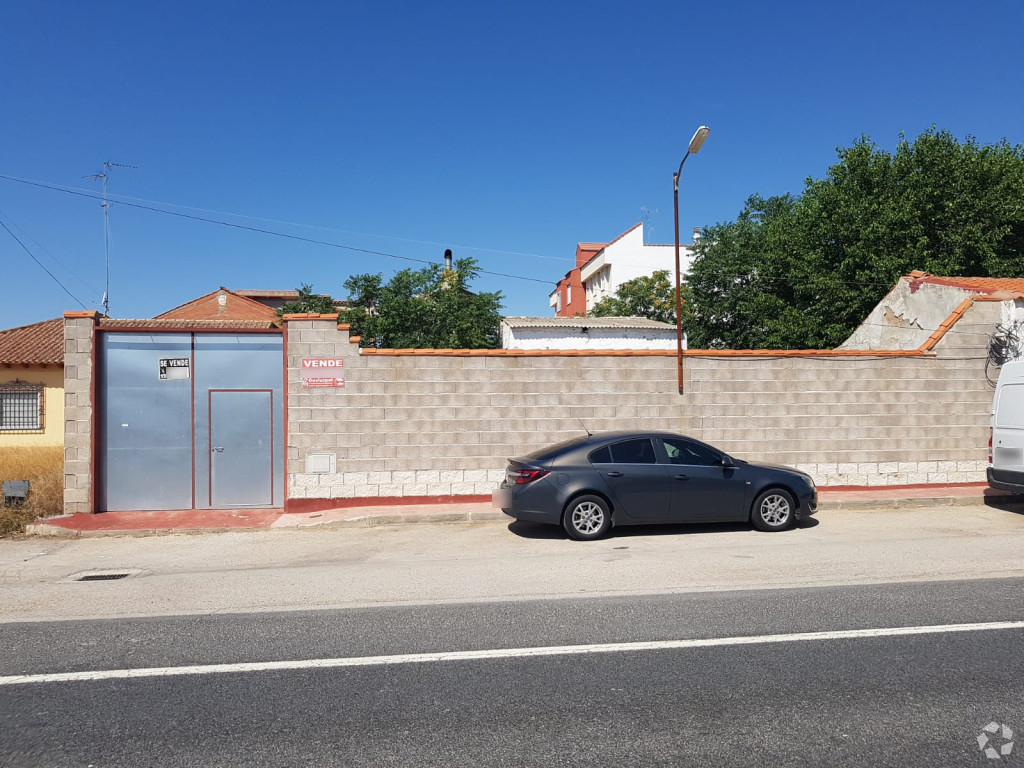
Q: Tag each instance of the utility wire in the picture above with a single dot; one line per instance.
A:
(120, 198)
(261, 230)
(40, 248)
(37, 261)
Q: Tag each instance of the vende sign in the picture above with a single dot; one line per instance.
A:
(322, 372)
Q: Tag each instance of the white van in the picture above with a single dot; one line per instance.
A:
(1006, 445)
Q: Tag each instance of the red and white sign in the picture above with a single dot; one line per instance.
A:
(322, 372)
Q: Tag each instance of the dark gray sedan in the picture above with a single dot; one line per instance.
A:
(591, 483)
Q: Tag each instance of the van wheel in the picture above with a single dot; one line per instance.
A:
(773, 510)
(587, 518)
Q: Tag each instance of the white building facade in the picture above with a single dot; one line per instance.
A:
(626, 258)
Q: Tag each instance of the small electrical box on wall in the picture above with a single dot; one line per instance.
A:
(321, 463)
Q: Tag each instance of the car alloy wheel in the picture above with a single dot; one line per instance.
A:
(587, 517)
(773, 510)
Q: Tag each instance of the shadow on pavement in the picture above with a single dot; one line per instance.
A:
(1005, 502)
(527, 530)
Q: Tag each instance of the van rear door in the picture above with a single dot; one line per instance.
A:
(1007, 470)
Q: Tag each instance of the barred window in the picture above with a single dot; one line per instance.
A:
(21, 407)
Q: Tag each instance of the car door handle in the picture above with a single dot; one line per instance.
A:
(682, 477)
(218, 449)
(614, 474)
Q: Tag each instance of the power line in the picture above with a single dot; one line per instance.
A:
(40, 248)
(121, 198)
(37, 261)
(260, 230)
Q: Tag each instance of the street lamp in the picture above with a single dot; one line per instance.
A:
(695, 144)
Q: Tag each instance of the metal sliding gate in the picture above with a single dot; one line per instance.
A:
(190, 421)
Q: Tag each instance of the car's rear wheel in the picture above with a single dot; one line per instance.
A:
(774, 510)
(587, 518)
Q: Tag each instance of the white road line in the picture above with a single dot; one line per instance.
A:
(500, 653)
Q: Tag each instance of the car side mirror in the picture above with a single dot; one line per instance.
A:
(727, 462)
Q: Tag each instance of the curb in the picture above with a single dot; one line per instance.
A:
(42, 529)
(371, 521)
(56, 532)
(935, 501)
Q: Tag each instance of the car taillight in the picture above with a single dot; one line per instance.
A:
(990, 445)
(523, 476)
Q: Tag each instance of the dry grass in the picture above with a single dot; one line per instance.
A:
(44, 470)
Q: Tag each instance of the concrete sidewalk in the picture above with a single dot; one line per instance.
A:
(206, 521)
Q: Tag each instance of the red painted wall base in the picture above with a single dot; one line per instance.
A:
(300, 506)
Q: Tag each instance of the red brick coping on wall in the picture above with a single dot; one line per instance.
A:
(925, 350)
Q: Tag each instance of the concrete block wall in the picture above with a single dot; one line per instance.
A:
(417, 425)
(79, 338)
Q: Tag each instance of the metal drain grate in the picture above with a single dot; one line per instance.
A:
(103, 576)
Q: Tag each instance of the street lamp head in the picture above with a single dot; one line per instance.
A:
(698, 139)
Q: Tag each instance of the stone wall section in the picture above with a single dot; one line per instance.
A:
(415, 425)
(79, 337)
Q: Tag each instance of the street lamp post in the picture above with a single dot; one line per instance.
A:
(694, 147)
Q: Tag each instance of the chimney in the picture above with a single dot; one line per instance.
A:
(696, 235)
(448, 258)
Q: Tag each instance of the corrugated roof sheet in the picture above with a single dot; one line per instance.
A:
(35, 344)
(585, 322)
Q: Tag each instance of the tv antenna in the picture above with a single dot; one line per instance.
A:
(107, 165)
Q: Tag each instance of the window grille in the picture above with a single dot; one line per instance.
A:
(21, 407)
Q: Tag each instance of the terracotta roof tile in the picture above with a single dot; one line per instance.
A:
(256, 294)
(35, 344)
(314, 316)
(166, 324)
(221, 304)
(974, 284)
(651, 352)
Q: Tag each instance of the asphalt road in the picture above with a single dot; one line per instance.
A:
(917, 700)
(458, 612)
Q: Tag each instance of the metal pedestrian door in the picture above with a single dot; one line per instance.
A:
(241, 447)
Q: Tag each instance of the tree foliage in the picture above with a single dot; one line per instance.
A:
(651, 296)
(430, 308)
(804, 272)
(308, 301)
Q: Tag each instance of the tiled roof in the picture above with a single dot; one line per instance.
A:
(36, 344)
(254, 294)
(585, 252)
(974, 284)
(172, 324)
(221, 304)
(585, 322)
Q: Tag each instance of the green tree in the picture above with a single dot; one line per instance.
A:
(804, 272)
(651, 296)
(430, 308)
(308, 301)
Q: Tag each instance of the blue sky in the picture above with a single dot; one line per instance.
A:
(506, 131)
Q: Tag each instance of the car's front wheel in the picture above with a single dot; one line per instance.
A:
(587, 518)
(774, 510)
